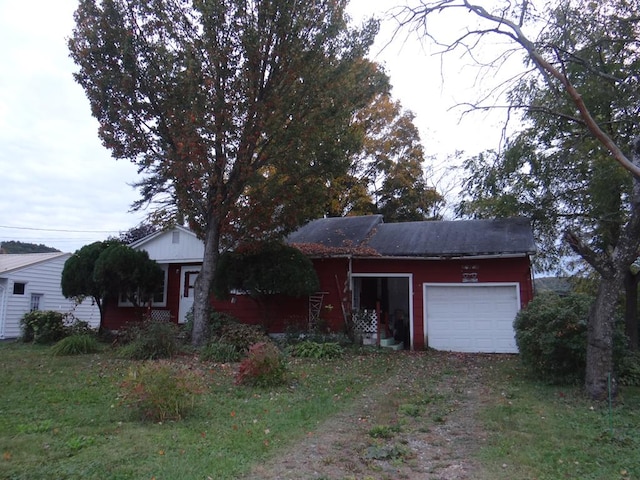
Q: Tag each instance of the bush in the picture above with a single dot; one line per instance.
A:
(150, 340)
(242, 336)
(159, 391)
(220, 352)
(77, 344)
(263, 367)
(78, 327)
(629, 369)
(551, 333)
(310, 349)
(42, 327)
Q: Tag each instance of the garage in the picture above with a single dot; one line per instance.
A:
(472, 317)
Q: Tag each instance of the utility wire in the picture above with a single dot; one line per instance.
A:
(58, 230)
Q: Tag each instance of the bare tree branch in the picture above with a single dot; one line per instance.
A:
(415, 18)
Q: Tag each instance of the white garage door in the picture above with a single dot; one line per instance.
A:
(471, 317)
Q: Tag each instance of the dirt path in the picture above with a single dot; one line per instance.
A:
(419, 424)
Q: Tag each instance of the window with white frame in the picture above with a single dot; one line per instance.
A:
(158, 299)
(36, 301)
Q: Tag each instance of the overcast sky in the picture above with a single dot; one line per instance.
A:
(60, 187)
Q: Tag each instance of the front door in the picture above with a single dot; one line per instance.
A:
(188, 277)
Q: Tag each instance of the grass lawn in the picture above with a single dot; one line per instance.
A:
(60, 417)
(544, 432)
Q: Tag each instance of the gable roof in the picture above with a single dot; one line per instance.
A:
(10, 262)
(158, 233)
(369, 236)
(174, 245)
(336, 232)
(454, 238)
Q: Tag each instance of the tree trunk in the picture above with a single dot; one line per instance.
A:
(202, 287)
(599, 370)
(631, 309)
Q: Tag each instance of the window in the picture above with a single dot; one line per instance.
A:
(175, 237)
(159, 298)
(36, 301)
(18, 288)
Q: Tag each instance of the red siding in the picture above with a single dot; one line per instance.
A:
(116, 317)
(498, 270)
(284, 311)
(287, 311)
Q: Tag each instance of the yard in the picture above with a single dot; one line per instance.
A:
(362, 416)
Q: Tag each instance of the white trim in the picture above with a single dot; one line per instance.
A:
(463, 285)
(409, 276)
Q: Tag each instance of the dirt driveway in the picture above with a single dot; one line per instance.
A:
(420, 423)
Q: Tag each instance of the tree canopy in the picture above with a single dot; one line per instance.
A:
(263, 270)
(103, 269)
(266, 269)
(211, 99)
(386, 174)
(14, 246)
(128, 273)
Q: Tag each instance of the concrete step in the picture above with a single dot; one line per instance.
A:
(387, 342)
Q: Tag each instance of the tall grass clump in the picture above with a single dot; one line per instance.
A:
(158, 391)
(77, 344)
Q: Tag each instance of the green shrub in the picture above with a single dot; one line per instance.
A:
(160, 391)
(77, 344)
(629, 369)
(310, 349)
(42, 327)
(551, 333)
(242, 336)
(220, 352)
(263, 367)
(150, 340)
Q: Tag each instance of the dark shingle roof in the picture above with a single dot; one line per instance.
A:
(454, 238)
(336, 232)
(367, 235)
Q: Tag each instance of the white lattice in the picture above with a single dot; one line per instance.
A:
(365, 322)
(161, 315)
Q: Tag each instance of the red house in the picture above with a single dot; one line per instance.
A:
(451, 285)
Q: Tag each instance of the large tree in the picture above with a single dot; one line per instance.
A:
(210, 97)
(580, 98)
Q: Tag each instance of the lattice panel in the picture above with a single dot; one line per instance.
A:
(365, 322)
(161, 315)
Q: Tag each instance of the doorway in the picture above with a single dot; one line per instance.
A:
(391, 293)
(188, 277)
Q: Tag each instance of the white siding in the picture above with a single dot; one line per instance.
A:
(178, 245)
(42, 278)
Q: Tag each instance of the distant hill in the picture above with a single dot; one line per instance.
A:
(22, 247)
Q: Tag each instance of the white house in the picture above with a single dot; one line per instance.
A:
(32, 282)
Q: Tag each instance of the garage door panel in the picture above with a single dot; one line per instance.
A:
(467, 318)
